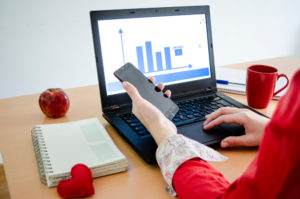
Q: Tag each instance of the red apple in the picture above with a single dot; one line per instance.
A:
(54, 102)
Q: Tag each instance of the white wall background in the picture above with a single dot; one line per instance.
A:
(48, 43)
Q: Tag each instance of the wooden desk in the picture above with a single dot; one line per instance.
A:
(19, 115)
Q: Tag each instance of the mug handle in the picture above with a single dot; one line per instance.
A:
(287, 83)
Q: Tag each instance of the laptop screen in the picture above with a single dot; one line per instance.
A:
(173, 49)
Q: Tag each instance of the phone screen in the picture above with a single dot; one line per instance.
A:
(147, 90)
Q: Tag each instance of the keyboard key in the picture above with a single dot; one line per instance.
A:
(142, 132)
(134, 124)
(190, 116)
(132, 120)
(223, 102)
(176, 119)
(216, 99)
(214, 107)
(182, 113)
(139, 128)
(198, 115)
(196, 111)
(183, 118)
(180, 123)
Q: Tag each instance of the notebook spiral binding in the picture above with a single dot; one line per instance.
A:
(226, 90)
(222, 88)
(41, 154)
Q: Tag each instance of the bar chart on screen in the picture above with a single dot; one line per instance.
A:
(162, 62)
(169, 49)
(166, 65)
(162, 56)
(149, 60)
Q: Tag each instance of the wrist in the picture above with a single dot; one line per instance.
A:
(162, 129)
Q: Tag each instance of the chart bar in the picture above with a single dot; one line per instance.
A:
(140, 58)
(149, 56)
(168, 58)
(159, 61)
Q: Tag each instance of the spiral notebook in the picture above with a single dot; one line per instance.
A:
(236, 81)
(58, 147)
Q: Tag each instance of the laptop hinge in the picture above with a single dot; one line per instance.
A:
(210, 90)
(115, 107)
(206, 91)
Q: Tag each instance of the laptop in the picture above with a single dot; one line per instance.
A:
(174, 45)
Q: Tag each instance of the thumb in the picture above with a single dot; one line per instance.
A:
(235, 141)
(131, 90)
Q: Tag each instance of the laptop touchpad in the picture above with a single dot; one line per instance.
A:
(195, 131)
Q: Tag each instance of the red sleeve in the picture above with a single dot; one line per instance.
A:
(197, 179)
(274, 173)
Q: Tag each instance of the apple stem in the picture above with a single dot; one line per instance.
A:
(51, 89)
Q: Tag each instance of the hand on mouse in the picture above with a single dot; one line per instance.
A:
(254, 125)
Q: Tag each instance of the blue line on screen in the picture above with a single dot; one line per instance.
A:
(165, 78)
(171, 77)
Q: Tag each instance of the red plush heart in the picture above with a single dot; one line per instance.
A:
(79, 185)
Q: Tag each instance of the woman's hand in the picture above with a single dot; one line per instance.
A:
(254, 125)
(157, 124)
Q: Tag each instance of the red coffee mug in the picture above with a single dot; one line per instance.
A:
(260, 86)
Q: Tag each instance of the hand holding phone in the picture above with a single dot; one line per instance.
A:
(147, 90)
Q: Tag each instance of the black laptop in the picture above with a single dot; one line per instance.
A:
(175, 46)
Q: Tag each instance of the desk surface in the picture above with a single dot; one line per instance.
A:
(19, 115)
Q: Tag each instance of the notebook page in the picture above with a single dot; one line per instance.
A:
(84, 141)
(231, 75)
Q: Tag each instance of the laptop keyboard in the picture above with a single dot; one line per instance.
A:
(189, 112)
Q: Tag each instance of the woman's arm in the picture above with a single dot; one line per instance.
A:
(156, 123)
(274, 173)
(196, 179)
(174, 149)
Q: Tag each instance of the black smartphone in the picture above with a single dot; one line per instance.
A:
(147, 89)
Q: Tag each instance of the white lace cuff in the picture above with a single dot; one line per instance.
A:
(175, 150)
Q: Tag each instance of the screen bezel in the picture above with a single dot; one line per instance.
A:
(179, 89)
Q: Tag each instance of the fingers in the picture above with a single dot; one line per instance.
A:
(160, 86)
(219, 112)
(134, 94)
(152, 79)
(232, 141)
(131, 90)
(229, 118)
(168, 94)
